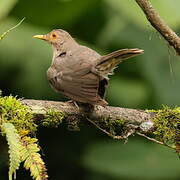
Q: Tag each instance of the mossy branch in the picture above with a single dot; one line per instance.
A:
(160, 126)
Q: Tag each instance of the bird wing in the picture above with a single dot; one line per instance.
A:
(106, 64)
(78, 84)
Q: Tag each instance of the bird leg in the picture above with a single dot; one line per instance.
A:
(74, 103)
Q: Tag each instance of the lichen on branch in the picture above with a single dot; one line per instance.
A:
(161, 125)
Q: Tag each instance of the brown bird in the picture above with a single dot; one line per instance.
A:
(79, 72)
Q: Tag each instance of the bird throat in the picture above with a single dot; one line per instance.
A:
(63, 48)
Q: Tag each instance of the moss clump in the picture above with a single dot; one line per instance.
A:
(53, 118)
(114, 127)
(12, 111)
(167, 125)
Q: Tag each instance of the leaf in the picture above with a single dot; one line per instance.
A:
(15, 146)
(32, 159)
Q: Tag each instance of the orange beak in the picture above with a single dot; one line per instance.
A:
(42, 37)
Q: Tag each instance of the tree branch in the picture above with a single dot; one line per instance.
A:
(160, 25)
(129, 116)
(118, 123)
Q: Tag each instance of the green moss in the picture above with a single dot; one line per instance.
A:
(115, 127)
(119, 121)
(53, 118)
(167, 125)
(11, 110)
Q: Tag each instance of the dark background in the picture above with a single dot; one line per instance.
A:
(144, 82)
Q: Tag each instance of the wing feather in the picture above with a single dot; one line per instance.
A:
(82, 87)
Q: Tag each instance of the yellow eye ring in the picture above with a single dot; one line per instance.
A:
(53, 36)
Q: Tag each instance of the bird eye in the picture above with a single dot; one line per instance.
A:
(54, 36)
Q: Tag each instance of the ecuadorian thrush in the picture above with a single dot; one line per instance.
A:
(79, 72)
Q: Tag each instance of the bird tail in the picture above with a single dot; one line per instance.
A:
(107, 63)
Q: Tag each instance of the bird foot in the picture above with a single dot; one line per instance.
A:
(74, 103)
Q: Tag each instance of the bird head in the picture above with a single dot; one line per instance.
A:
(56, 37)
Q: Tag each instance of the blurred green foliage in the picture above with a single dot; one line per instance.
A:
(112, 158)
(147, 81)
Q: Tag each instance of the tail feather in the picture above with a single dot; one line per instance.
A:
(107, 63)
